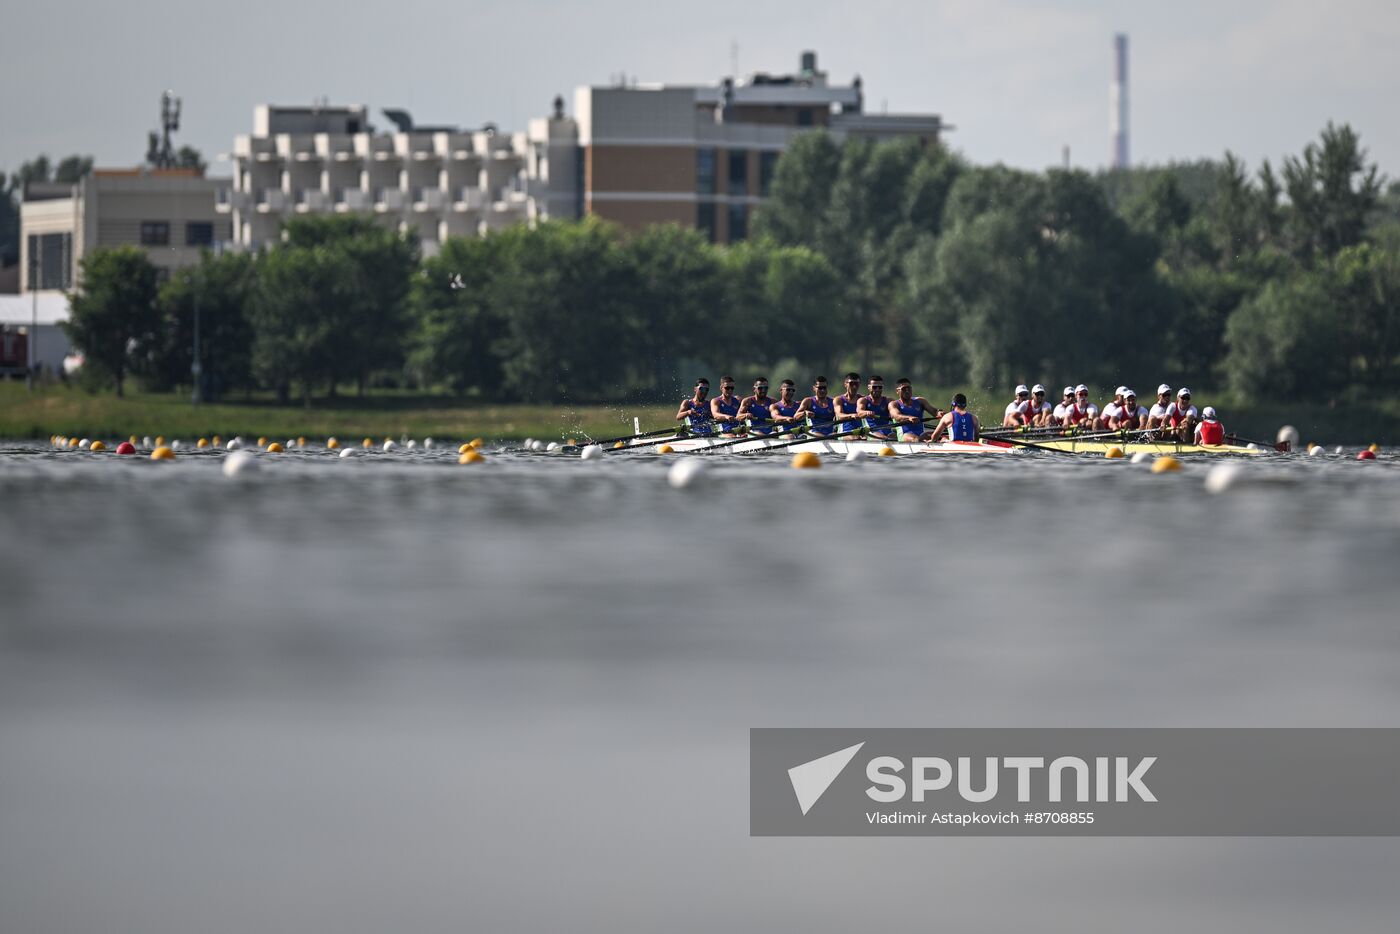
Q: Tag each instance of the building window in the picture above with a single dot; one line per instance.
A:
(705, 171)
(199, 233)
(767, 165)
(580, 178)
(50, 261)
(738, 172)
(738, 222)
(155, 233)
(804, 116)
(705, 219)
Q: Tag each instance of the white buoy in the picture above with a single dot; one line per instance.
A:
(239, 462)
(389, 445)
(592, 452)
(684, 472)
(1251, 446)
(83, 443)
(427, 444)
(1290, 434)
(1221, 477)
(537, 446)
(856, 455)
(147, 443)
(346, 452)
(529, 444)
(1316, 450)
(552, 446)
(412, 445)
(1141, 456)
(234, 444)
(1337, 449)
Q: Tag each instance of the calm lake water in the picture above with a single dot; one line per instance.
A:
(395, 693)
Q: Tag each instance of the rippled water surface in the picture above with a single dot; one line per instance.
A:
(394, 693)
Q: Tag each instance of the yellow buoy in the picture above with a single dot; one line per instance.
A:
(301, 441)
(805, 459)
(887, 451)
(332, 444)
(465, 448)
(1113, 453)
(476, 443)
(162, 453)
(1166, 464)
(202, 443)
(665, 449)
(133, 440)
(72, 442)
(217, 441)
(262, 441)
(97, 446)
(275, 448)
(619, 445)
(160, 441)
(367, 443)
(471, 456)
(1374, 449)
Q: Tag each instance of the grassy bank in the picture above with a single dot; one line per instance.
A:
(66, 410)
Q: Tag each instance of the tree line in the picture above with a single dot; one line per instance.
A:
(1280, 284)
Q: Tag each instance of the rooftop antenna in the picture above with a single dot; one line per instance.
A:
(160, 150)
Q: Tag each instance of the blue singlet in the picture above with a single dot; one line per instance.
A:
(963, 429)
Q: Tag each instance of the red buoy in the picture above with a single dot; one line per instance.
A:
(1366, 456)
(126, 447)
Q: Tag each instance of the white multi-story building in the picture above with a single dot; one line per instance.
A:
(439, 182)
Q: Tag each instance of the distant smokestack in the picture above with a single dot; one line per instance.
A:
(1118, 104)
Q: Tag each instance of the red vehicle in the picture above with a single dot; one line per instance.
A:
(14, 351)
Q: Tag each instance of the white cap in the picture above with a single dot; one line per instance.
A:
(1209, 413)
(1164, 388)
(1121, 391)
(1080, 388)
(1069, 390)
(1128, 392)
(1037, 388)
(1183, 391)
(1022, 388)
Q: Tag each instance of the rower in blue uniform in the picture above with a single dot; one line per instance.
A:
(960, 424)
(907, 412)
(847, 405)
(724, 409)
(753, 411)
(820, 409)
(694, 412)
(785, 412)
(874, 410)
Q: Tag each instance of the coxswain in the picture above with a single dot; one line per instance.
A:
(907, 412)
(1061, 410)
(1182, 415)
(819, 409)
(1210, 431)
(1015, 415)
(1157, 415)
(960, 424)
(874, 409)
(724, 408)
(754, 410)
(694, 412)
(785, 412)
(848, 405)
(1131, 416)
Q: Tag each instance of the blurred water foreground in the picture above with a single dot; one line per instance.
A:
(390, 692)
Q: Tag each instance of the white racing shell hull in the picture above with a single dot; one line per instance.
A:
(833, 446)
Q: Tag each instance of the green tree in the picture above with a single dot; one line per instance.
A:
(457, 321)
(220, 289)
(296, 314)
(674, 301)
(1332, 191)
(112, 314)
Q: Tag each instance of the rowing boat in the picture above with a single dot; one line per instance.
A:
(1102, 446)
(831, 446)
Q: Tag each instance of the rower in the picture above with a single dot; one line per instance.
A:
(1061, 410)
(1210, 431)
(1082, 412)
(1015, 411)
(847, 415)
(784, 412)
(754, 410)
(724, 408)
(960, 424)
(1157, 415)
(1038, 410)
(874, 410)
(1110, 412)
(907, 412)
(694, 412)
(1181, 415)
(1131, 416)
(819, 409)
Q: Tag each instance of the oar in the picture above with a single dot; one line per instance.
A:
(729, 444)
(815, 437)
(645, 434)
(1283, 447)
(1034, 447)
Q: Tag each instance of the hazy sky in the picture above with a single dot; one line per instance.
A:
(1018, 78)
